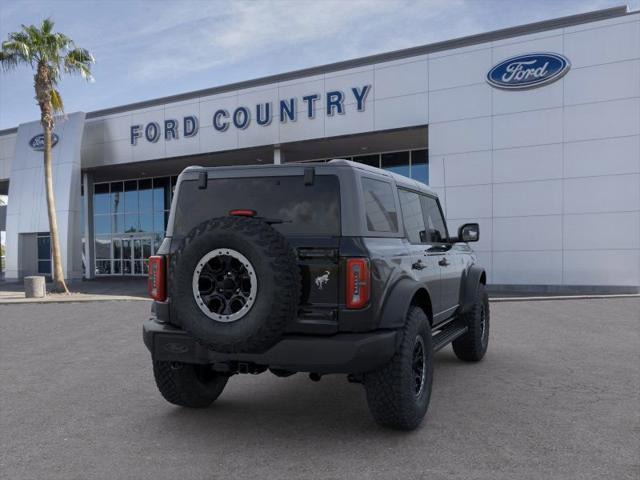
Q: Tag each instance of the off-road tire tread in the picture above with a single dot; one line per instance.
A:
(283, 262)
(391, 403)
(182, 387)
(469, 347)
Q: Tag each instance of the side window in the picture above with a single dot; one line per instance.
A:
(380, 206)
(436, 228)
(412, 216)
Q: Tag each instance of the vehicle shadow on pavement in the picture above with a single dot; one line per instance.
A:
(288, 408)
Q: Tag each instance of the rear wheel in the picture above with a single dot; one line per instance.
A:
(398, 394)
(472, 346)
(188, 385)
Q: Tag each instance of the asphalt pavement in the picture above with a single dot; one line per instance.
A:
(557, 397)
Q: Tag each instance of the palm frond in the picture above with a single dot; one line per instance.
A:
(79, 61)
(9, 61)
(47, 26)
(56, 101)
(51, 53)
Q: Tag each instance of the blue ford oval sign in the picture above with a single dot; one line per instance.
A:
(37, 142)
(528, 71)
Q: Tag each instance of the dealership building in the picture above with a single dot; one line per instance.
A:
(532, 131)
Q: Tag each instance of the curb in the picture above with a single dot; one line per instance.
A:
(561, 297)
(21, 301)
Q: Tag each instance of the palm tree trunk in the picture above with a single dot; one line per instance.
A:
(59, 284)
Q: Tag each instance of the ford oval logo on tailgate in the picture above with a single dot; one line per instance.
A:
(528, 71)
(37, 142)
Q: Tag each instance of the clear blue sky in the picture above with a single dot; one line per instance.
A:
(149, 49)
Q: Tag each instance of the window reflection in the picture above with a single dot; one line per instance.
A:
(146, 222)
(145, 195)
(102, 224)
(413, 164)
(131, 196)
(397, 162)
(101, 198)
(161, 193)
(128, 210)
(420, 165)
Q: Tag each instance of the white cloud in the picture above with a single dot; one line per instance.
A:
(147, 49)
(185, 39)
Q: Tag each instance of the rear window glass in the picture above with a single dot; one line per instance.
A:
(303, 209)
(412, 216)
(380, 206)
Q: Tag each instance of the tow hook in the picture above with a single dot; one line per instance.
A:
(315, 377)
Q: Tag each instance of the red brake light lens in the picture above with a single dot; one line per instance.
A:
(242, 212)
(358, 282)
(157, 278)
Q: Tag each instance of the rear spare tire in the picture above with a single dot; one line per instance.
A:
(235, 284)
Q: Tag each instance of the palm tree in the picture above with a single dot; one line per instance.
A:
(49, 54)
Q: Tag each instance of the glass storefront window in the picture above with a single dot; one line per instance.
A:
(157, 240)
(44, 266)
(102, 224)
(129, 223)
(161, 194)
(103, 248)
(117, 223)
(131, 203)
(159, 221)
(145, 195)
(420, 165)
(44, 246)
(397, 162)
(413, 164)
(44, 253)
(146, 222)
(116, 198)
(103, 267)
(101, 198)
(372, 160)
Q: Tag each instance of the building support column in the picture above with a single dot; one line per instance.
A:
(277, 155)
(87, 203)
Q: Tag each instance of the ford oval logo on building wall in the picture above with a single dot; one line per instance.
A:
(37, 142)
(528, 71)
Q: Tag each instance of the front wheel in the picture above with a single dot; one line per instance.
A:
(398, 394)
(188, 385)
(472, 346)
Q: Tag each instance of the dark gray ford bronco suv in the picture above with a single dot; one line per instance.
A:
(321, 267)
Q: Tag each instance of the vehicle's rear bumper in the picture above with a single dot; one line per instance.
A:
(340, 353)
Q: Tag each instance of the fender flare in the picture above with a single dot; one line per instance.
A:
(399, 298)
(474, 277)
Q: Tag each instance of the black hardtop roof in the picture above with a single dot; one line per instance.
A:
(400, 180)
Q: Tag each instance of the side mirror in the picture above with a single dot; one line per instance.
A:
(469, 232)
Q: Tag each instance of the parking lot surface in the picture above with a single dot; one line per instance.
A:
(558, 396)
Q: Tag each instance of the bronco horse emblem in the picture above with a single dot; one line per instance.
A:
(322, 280)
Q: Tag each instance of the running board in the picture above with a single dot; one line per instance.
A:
(447, 335)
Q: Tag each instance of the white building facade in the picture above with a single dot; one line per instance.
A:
(532, 131)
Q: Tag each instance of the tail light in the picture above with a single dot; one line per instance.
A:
(358, 282)
(157, 278)
(242, 212)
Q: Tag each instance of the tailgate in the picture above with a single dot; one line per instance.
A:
(321, 282)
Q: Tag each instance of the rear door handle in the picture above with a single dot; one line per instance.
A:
(444, 262)
(418, 265)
